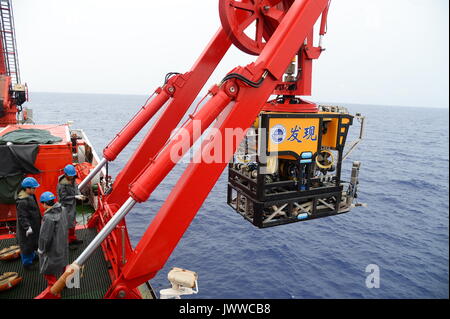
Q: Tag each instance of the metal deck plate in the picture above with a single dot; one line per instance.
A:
(95, 280)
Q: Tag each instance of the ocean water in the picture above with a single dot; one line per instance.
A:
(404, 230)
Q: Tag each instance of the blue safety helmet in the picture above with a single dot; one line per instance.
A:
(30, 182)
(69, 170)
(46, 197)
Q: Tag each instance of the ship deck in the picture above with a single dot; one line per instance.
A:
(94, 283)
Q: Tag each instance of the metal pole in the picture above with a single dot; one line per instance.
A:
(101, 236)
(92, 174)
(109, 227)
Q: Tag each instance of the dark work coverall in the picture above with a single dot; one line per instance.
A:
(28, 215)
(66, 193)
(53, 243)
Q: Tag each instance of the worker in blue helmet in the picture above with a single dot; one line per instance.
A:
(53, 244)
(28, 221)
(68, 194)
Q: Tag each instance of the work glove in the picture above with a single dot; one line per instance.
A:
(29, 231)
(80, 197)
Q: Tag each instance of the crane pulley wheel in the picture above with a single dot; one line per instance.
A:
(240, 17)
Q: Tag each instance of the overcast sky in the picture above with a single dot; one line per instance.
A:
(392, 52)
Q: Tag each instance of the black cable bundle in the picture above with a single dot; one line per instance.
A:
(245, 80)
(169, 75)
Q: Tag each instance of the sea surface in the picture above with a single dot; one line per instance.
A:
(404, 230)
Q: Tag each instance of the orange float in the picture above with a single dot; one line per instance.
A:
(9, 280)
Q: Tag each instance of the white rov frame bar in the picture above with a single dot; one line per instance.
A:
(352, 147)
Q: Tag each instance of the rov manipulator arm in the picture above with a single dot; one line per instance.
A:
(236, 103)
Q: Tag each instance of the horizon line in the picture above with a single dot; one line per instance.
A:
(331, 102)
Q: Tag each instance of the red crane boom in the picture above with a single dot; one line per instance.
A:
(283, 32)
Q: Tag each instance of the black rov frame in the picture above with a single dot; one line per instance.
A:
(266, 203)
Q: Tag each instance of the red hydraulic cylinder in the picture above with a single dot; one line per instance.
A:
(135, 125)
(182, 99)
(157, 170)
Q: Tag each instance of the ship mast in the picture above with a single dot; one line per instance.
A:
(12, 92)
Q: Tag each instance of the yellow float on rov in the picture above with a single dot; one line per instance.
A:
(288, 168)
